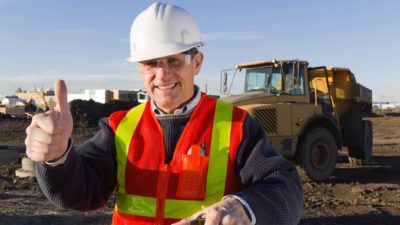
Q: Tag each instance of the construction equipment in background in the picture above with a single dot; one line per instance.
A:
(308, 113)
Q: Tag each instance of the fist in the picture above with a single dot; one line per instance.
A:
(229, 211)
(48, 134)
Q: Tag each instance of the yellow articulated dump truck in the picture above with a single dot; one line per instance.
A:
(308, 113)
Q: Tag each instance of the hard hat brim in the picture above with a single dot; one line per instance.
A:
(161, 51)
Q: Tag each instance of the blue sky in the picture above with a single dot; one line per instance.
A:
(86, 42)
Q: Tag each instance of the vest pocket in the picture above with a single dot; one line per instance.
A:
(192, 179)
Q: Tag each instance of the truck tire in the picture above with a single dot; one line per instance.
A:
(359, 155)
(319, 153)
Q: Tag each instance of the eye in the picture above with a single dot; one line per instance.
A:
(151, 64)
(173, 62)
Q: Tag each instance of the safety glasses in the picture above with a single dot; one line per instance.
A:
(172, 63)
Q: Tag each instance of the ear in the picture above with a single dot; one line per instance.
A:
(198, 61)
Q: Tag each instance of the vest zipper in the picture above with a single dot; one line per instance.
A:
(162, 192)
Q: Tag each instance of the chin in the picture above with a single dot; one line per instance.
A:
(166, 104)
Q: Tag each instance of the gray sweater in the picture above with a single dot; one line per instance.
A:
(270, 183)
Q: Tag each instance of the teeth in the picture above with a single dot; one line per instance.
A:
(163, 87)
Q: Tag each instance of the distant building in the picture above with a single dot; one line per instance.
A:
(13, 111)
(39, 98)
(100, 95)
(12, 101)
(131, 95)
(72, 97)
(97, 95)
(386, 105)
(142, 96)
(105, 96)
(125, 95)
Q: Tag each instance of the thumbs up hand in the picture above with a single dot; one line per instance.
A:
(48, 133)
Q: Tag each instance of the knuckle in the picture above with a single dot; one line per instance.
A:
(27, 143)
(28, 153)
(218, 209)
(37, 117)
(45, 122)
(28, 129)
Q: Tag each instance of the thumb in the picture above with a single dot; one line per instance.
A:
(61, 92)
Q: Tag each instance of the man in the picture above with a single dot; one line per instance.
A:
(179, 158)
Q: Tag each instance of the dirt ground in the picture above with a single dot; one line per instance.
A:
(353, 195)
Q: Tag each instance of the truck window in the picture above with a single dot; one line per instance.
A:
(276, 83)
(293, 85)
(275, 80)
(257, 78)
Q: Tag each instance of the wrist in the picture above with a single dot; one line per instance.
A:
(60, 160)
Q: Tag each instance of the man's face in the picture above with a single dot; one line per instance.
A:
(169, 81)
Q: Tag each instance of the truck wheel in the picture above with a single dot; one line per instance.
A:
(358, 155)
(319, 153)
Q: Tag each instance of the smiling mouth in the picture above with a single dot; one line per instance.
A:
(166, 87)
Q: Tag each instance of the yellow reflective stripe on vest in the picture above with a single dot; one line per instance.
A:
(216, 177)
(219, 152)
(138, 205)
(123, 136)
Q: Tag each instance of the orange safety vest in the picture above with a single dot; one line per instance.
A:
(147, 187)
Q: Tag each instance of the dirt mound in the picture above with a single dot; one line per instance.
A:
(12, 130)
(86, 114)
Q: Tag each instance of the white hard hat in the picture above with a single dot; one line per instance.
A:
(162, 30)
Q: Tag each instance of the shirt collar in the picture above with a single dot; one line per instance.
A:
(187, 108)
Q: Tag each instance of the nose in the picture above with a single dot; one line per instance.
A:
(162, 72)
